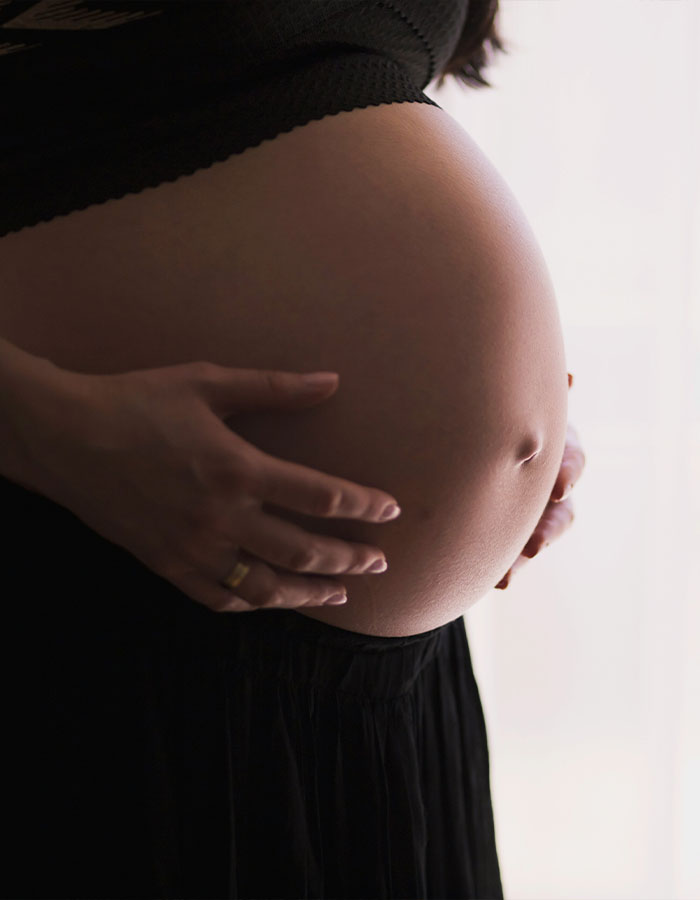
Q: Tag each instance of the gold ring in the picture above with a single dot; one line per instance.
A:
(237, 576)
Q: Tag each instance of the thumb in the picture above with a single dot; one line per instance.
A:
(229, 390)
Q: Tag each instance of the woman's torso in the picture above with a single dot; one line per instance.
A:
(378, 243)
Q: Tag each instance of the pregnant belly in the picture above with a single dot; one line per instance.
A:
(378, 243)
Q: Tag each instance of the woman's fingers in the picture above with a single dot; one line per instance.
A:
(555, 520)
(293, 486)
(290, 547)
(261, 587)
(572, 466)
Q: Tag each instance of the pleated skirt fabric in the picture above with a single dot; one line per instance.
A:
(153, 748)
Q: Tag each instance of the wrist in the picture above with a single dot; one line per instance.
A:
(37, 401)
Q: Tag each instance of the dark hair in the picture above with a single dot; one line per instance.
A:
(470, 55)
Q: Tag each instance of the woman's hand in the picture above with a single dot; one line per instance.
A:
(144, 459)
(559, 512)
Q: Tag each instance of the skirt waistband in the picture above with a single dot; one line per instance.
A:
(282, 644)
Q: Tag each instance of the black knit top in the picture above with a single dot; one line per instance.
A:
(102, 98)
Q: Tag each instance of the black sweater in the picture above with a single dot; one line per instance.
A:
(102, 98)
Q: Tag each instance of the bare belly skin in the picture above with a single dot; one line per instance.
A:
(381, 244)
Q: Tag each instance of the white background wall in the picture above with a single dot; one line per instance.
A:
(589, 663)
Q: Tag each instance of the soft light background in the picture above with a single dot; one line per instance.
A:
(588, 664)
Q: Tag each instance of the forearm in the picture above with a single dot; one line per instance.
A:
(26, 386)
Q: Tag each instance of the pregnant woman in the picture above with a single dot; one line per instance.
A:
(197, 199)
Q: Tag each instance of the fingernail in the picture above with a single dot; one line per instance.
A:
(532, 548)
(379, 566)
(336, 600)
(391, 512)
(318, 380)
(563, 493)
(503, 583)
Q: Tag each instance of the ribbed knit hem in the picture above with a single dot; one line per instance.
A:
(89, 169)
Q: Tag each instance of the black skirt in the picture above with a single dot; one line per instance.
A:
(153, 748)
